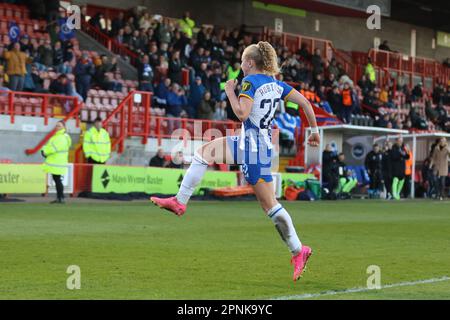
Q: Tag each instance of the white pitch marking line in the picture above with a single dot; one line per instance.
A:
(354, 290)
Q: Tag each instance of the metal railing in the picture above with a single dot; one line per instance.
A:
(17, 103)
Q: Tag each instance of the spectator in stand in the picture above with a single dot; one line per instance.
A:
(370, 71)
(317, 82)
(58, 57)
(162, 92)
(384, 46)
(335, 100)
(430, 111)
(304, 52)
(214, 84)
(176, 162)
(206, 107)
(333, 69)
(323, 100)
(120, 37)
(145, 74)
(366, 85)
(63, 86)
(220, 114)
(60, 85)
(176, 67)
(383, 121)
(135, 42)
(187, 24)
(197, 91)
(84, 71)
(162, 32)
(330, 81)
(317, 63)
(175, 103)
(25, 45)
(347, 103)
(417, 92)
(103, 74)
(384, 95)
(16, 67)
(117, 24)
(46, 55)
(438, 93)
(145, 22)
(95, 21)
(443, 118)
(158, 160)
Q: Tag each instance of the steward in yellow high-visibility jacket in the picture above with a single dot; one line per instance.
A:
(97, 144)
(187, 25)
(56, 153)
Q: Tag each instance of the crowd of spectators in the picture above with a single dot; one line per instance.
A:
(26, 62)
(212, 56)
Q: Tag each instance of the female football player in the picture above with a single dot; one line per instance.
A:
(252, 149)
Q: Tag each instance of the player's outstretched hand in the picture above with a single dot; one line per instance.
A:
(230, 86)
(314, 140)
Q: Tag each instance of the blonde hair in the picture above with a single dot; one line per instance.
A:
(264, 56)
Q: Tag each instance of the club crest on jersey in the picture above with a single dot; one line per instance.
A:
(246, 86)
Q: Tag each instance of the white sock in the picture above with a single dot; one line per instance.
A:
(283, 223)
(192, 178)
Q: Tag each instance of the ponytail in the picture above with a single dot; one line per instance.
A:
(264, 56)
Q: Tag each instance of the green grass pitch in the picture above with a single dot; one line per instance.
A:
(221, 250)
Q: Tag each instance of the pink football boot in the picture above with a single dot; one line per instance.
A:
(170, 204)
(299, 261)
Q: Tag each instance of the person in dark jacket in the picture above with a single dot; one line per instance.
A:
(330, 176)
(96, 21)
(145, 74)
(61, 85)
(117, 24)
(398, 155)
(158, 159)
(206, 108)
(175, 68)
(374, 166)
(335, 100)
(387, 170)
(197, 90)
(84, 71)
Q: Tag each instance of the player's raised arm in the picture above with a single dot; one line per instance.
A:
(297, 98)
(241, 107)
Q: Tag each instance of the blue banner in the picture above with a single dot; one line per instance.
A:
(66, 32)
(14, 32)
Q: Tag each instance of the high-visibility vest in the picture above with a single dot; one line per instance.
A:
(97, 145)
(370, 70)
(56, 153)
(408, 164)
(347, 97)
(186, 26)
